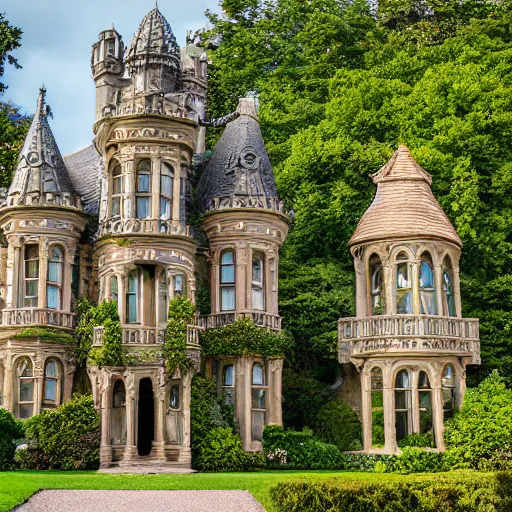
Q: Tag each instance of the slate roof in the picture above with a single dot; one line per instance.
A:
(240, 136)
(404, 206)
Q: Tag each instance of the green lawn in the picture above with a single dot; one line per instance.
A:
(17, 486)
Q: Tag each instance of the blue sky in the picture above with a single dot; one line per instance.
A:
(56, 47)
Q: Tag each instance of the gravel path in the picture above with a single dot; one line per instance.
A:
(141, 501)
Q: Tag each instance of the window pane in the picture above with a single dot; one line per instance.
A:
(402, 424)
(404, 303)
(142, 182)
(132, 309)
(142, 207)
(26, 390)
(52, 296)
(116, 206)
(229, 396)
(51, 369)
(174, 401)
(50, 389)
(144, 165)
(25, 411)
(378, 418)
(227, 274)
(448, 379)
(258, 423)
(426, 275)
(256, 270)
(428, 303)
(402, 399)
(54, 271)
(425, 411)
(402, 276)
(257, 375)
(31, 252)
(227, 299)
(31, 289)
(118, 185)
(166, 185)
(165, 209)
(227, 258)
(113, 288)
(229, 375)
(32, 269)
(258, 398)
(132, 282)
(257, 299)
(178, 285)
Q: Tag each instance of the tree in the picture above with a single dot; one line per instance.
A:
(10, 38)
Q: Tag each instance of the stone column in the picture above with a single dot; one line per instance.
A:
(38, 384)
(366, 407)
(43, 272)
(415, 274)
(176, 193)
(185, 452)
(248, 280)
(67, 274)
(14, 262)
(390, 287)
(456, 289)
(130, 450)
(415, 402)
(361, 288)
(121, 295)
(158, 450)
(240, 277)
(389, 410)
(105, 447)
(69, 372)
(128, 206)
(214, 283)
(156, 163)
(438, 276)
(275, 411)
(8, 385)
(437, 409)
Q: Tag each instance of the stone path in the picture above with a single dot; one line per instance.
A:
(141, 501)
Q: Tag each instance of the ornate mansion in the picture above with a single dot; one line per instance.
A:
(113, 222)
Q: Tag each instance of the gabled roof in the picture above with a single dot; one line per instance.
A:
(41, 176)
(404, 207)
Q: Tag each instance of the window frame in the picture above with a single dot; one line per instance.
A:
(227, 285)
(166, 170)
(58, 382)
(401, 292)
(21, 378)
(259, 388)
(448, 390)
(143, 194)
(136, 294)
(59, 283)
(33, 298)
(408, 409)
(427, 291)
(118, 177)
(258, 286)
(228, 390)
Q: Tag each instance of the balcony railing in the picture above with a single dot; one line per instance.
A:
(28, 317)
(143, 226)
(406, 333)
(260, 318)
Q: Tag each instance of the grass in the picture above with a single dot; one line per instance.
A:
(18, 486)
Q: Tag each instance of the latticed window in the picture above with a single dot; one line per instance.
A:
(377, 285)
(166, 189)
(54, 280)
(31, 270)
(259, 401)
(227, 281)
(403, 404)
(117, 190)
(143, 190)
(427, 286)
(25, 374)
(258, 290)
(448, 292)
(403, 285)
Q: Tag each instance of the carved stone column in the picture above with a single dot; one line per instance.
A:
(68, 380)
(389, 286)
(14, 262)
(43, 272)
(176, 193)
(456, 289)
(361, 286)
(389, 410)
(105, 401)
(69, 259)
(438, 276)
(275, 415)
(241, 277)
(38, 383)
(416, 306)
(121, 295)
(214, 282)
(130, 450)
(185, 452)
(158, 450)
(366, 406)
(415, 402)
(156, 164)
(437, 407)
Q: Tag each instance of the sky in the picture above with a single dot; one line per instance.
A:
(56, 47)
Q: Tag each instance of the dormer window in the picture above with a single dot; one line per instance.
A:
(227, 281)
(166, 188)
(403, 285)
(143, 190)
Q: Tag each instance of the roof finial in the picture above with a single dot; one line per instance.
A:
(41, 100)
(156, 4)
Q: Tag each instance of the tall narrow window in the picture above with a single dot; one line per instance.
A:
(132, 298)
(52, 382)
(448, 385)
(427, 286)
(177, 283)
(31, 275)
(403, 285)
(114, 289)
(425, 403)
(403, 398)
(227, 281)
(25, 388)
(448, 293)
(258, 290)
(377, 285)
(377, 386)
(166, 188)
(174, 397)
(118, 414)
(259, 401)
(54, 283)
(117, 190)
(143, 190)
(228, 383)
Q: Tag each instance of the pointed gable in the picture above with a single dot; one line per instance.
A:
(404, 207)
(41, 176)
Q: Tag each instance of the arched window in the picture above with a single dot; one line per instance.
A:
(54, 282)
(425, 403)
(448, 292)
(377, 387)
(403, 399)
(377, 285)
(132, 298)
(174, 397)
(31, 277)
(52, 382)
(143, 190)
(228, 383)
(259, 401)
(166, 188)
(117, 190)
(227, 281)
(258, 291)
(448, 385)
(119, 394)
(118, 414)
(427, 286)
(177, 283)
(114, 288)
(403, 285)
(25, 374)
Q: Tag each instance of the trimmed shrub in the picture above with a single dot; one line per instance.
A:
(417, 440)
(338, 424)
(417, 460)
(10, 430)
(300, 450)
(66, 438)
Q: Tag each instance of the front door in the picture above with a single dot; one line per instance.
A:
(146, 418)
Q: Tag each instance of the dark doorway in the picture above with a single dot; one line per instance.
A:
(146, 417)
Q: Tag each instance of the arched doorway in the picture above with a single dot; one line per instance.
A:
(146, 417)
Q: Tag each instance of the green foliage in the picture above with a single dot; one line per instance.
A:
(418, 460)
(45, 334)
(10, 38)
(338, 424)
(243, 338)
(461, 494)
(10, 430)
(300, 450)
(417, 440)
(181, 314)
(483, 428)
(66, 438)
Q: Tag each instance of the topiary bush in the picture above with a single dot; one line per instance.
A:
(67, 437)
(338, 424)
(10, 430)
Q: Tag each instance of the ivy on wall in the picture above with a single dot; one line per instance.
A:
(243, 338)
(45, 334)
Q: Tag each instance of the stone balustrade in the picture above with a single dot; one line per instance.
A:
(119, 226)
(28, 317)
(407, 333)
(260, 318)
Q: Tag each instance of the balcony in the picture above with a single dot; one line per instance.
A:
(425, 334)
(119, 226)
(260, 318)
(37, 317)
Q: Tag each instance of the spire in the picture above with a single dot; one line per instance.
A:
(404, 207)
(41, 176)
(239, 173)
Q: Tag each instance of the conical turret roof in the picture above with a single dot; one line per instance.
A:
(404, 207)
(41, 176)
(154, 36)
(239, 173)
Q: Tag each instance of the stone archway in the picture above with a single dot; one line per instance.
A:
(146, 417)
